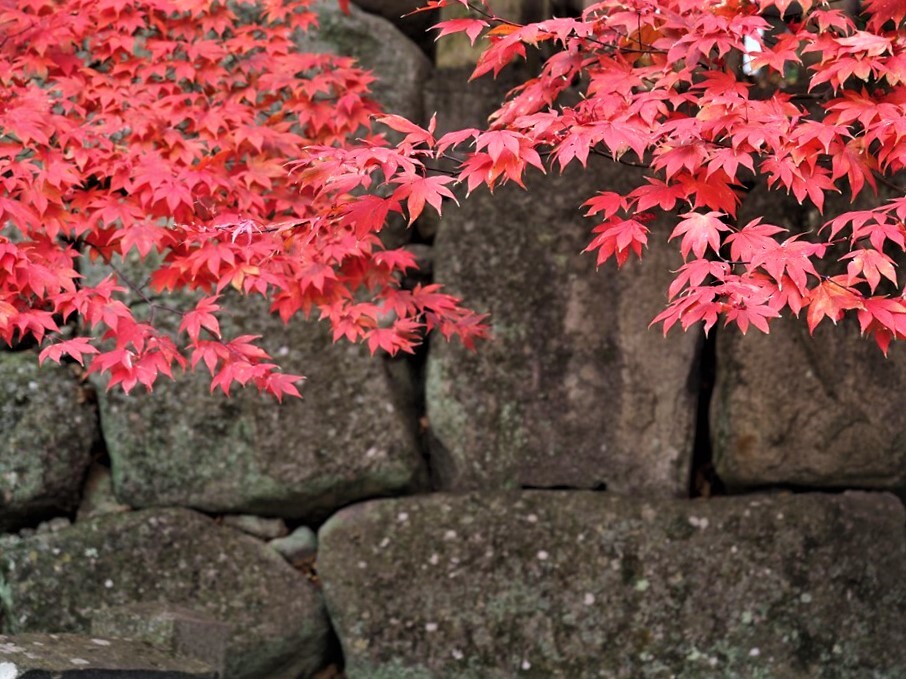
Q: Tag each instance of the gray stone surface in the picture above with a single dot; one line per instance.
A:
(98, 497)
(457, 51)
(260, 527)
(577, 584)
(575, 389)
(59, 581)
(399, 65)
(171, 628)
(299, 546)
(70, 656)
(398, 12)
(809, 411)
(344, 441)
(49, 422)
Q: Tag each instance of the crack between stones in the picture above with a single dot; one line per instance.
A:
(703, 478)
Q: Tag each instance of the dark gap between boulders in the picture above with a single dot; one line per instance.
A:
(703, 479)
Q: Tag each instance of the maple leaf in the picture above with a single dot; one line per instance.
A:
(618, 238)
(752, 240)
(76, 348)
(418, 190)
(470, 26)
(184, 155)
(791, 259)
(202, 316)
(872, 264)
(744, 314)
(830, 299)
(882, 11)
(699, 232)
(414, 134)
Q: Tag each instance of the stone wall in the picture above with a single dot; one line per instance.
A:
(580, 498)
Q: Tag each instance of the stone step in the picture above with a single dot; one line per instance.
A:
(71, 656)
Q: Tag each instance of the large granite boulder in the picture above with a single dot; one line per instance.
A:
(49, 423)
(794, 409)
(399, 13)
(578, 584)
(457, 50)
(53, 582)
(400, 66)
(574, 390)
(344, 441)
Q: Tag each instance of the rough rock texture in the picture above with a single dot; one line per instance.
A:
(49, 422)
(98, 497)
(53, 582)
(68, 656)
(554, 584)
(298, 546)
(574, 390)
(177, 630)
(264, 529)
(342, 442)
(399, 65)
(812, 411)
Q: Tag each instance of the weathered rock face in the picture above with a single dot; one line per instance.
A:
(399, 65)
(49, 422)
(98, 497)
(170, 628)
(574, 390)
(457, 50)
(545, 584)
(343, 442)
(54, 581)
(398, 12)
(69, 656)
(789, 408)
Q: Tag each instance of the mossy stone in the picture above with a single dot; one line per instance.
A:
(574, 389)
(792, 408)
(343, 441)
(49, 423)
(580, 584)
(53, 582)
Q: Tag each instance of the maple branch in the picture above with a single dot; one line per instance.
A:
(490, 16)
(596, 151)
(889, 184)
(136, 289)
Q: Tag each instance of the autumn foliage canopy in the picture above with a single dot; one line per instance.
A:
(196, 134)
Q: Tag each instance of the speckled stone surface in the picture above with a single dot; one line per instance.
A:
(344, 441)
(574, 390)
(54, 581)
(48, 422)
(795, 409)
(557, 584)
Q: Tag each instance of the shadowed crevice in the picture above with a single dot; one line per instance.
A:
(703, 479)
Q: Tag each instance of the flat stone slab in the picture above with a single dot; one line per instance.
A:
(172, 628)
(69, 656)
(575, 584)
